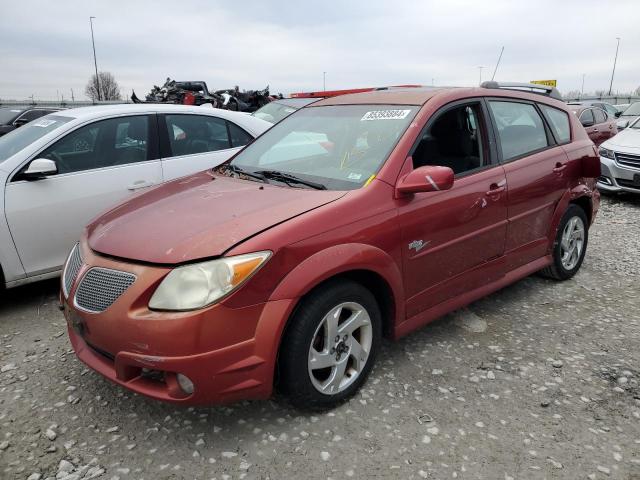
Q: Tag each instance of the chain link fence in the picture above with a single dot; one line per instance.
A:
(57, 104)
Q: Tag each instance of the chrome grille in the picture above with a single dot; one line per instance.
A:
(628, 160)
(100, 287)
(71, 269)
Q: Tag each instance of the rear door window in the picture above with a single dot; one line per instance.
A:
(586, 118)
(600, 115)
(239, 137)
(559, 122)
(193, 134)
(520, 128)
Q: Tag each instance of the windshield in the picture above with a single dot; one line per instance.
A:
(274, 112)
(14, 141)
(633, 109)
(635, 124)
(341, 147)
(8, 115)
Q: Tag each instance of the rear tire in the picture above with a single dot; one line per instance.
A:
(330, 345)
(570, 245)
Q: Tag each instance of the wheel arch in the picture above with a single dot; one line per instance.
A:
(580, 196)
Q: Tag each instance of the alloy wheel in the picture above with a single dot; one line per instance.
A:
(572, 243)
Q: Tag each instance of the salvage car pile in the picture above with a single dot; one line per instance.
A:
(197, 93)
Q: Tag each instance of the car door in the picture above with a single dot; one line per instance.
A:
(99, 164)
(536, 167)
(449, 237)
(604, 124)
(588, 121)
(192, 143)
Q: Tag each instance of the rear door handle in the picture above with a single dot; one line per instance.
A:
(559, 167)
(138, 184)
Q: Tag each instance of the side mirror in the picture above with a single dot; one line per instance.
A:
(39, 169)
(587, 123)
(425, 179)
(21, 121)
(617, 114)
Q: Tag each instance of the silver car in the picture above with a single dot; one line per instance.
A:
(61, 170)
(620, 161)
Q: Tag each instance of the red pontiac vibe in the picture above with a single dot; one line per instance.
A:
(358, 217)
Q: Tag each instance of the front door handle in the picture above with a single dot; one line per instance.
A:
(559, 167)
(496, 189)
(138, 184)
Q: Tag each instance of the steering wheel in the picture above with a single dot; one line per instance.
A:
(62, 165)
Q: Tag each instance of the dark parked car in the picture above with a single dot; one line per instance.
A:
(278, 109)
(12, 118)
(607, 107)
(597, 123)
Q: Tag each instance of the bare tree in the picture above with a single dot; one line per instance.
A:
(104, 87)
(637, 92)
(572, 95)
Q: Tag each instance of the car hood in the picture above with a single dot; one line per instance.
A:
(196, 217)
(629, 137)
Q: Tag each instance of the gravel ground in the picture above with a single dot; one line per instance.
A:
(540, 380)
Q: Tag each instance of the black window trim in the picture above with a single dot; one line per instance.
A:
(550, 138)
(549, 123)
(229, 122)
(152, 151)
(488, 128)
(165, 143)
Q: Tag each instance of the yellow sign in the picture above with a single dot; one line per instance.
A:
(549, 83)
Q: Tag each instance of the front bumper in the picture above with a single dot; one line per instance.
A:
(616, 178)
(227, 353)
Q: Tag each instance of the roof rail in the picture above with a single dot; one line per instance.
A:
(525, 87)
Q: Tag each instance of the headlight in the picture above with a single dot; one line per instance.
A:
(606, 153)
(201, 284)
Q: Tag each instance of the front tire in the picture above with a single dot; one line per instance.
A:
(330, 345)
(570, 245)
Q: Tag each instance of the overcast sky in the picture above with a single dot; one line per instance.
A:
(45, 46)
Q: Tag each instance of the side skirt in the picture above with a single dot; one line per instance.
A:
(460, 301)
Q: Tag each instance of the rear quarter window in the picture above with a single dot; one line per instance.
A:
(559, 122)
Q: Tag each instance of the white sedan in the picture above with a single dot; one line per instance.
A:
(58, 172)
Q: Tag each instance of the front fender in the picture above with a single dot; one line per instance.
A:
(340, 259)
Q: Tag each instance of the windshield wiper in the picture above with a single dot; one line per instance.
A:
(240, 171)
(288, 178)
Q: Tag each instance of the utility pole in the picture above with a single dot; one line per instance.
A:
(95, 62)
(324, 81)
(480, 68)
(582, 89)
(615, 59)
(72, 99)
(498, 63)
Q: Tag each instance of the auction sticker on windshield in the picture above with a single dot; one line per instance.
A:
(385, 115)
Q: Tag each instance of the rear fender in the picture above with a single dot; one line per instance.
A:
(579, 191)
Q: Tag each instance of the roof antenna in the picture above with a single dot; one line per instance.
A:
(498, 63)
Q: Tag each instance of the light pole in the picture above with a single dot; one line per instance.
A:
(615, 59)
(95, 62)
(582, 89)
(324, 81)
(480, 68)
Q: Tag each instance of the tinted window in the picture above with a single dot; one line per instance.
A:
(454, 140)
(586, 118)
(520, 128)
(559, 121)
(192, 134)
(238, 136)
(32, 115)
(13, 142)
(117, 141)
(600, 116)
